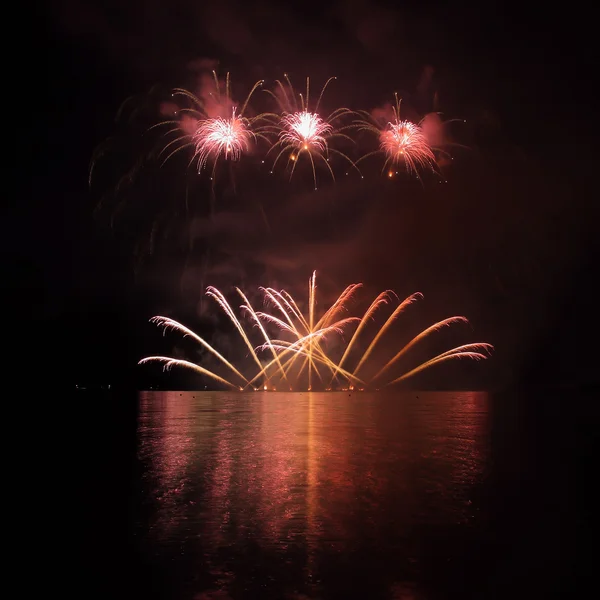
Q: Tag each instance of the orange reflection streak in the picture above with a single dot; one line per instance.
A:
(221, 476)
(281, 471)
(311, 489)
(170, 454)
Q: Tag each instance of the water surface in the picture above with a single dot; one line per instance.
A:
(306, 495)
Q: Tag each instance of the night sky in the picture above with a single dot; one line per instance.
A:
(507, 241)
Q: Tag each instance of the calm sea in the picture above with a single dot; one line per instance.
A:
(415, 496)
(316, 495)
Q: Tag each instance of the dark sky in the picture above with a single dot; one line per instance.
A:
(507, 241)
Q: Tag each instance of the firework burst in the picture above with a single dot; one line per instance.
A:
(401, 142)
(306, 349)
(227, 136)
(302, 131)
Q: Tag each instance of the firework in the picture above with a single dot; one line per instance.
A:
(305, 345)
(228, 138)
(213, 138)
(401, 142)
(302, 131)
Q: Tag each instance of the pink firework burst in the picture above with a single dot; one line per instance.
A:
(301, 131)
(401, 142)
(213, 137)
(227, 138)
(305, 131)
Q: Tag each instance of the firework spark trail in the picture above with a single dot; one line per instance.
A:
(322, 356)
(311, 299)
(323, 322)
(284, 350)
(435, 327)
(307, 346)
(383, 298)
(169, 363)
(479, 347)
(286, 347)
(301, 351)
(307, 340)
(252, 312)
(218, 296)
(275, 321)
(412, 298)
(168, 323)
(437, 360)
(311, 314)
(331, 313)
(274, 295)
(290, 104)
(338, 305)
(271, 295)
(302, 345)
(295, 308)
(319, 334)
(198, 113)
(400, 141)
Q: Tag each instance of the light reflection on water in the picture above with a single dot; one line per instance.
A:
(275, 495)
